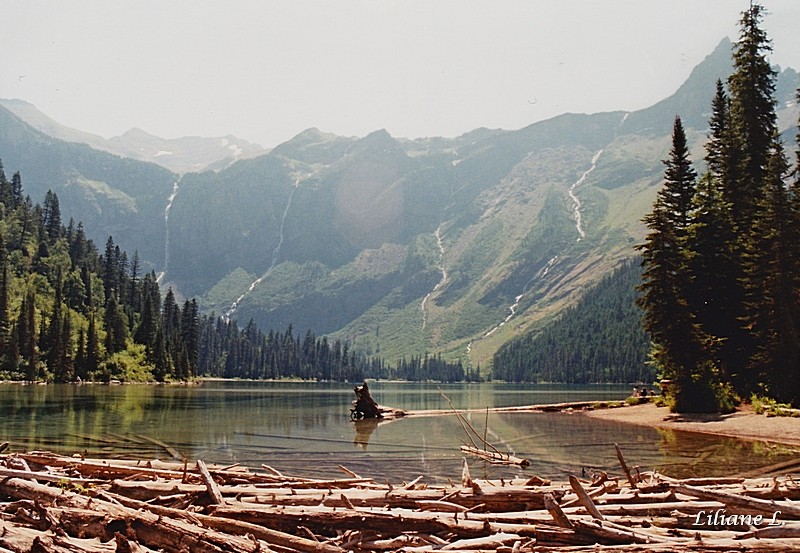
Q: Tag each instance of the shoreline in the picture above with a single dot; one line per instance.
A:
(743, 424)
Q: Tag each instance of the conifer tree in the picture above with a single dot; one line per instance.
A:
(54, 342)
(110, 273)
(116, 327)
(92, 347)
(716, 268)
(190, 334)
(26, 336)
(772, 309)
(753, 126)
(51, 216)
(161, 361)
(16, 190)
(5, 317)
(80, 356)
(65, 367)
(679, 345)
(753, 119)
(714, 278)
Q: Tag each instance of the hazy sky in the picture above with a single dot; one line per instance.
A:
(266, 70)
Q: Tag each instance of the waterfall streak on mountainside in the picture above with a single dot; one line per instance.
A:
(438, 235)
(275, 252)
(576, 203)
(513, 308)
(170, 199)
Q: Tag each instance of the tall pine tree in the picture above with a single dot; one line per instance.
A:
(680, 348)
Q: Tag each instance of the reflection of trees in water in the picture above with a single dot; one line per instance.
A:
(696, 454)
(306, 427)
(67, 417)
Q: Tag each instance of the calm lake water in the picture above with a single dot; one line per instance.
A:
(304, 429)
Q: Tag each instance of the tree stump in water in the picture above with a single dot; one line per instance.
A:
(364, 407)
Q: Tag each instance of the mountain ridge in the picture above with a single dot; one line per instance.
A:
(401, 246)
(179, 155)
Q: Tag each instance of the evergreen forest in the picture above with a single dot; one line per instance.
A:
(720, 285)
(598, 340)
(70, 313)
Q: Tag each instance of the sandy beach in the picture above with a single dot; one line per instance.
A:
(744, 423)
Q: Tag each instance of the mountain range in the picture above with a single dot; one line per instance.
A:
(179, 155)
(401, 246)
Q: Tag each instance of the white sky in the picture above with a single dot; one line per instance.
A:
(266, 70)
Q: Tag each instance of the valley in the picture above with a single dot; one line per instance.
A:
(397, 246)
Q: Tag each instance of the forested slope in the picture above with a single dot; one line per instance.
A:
(71, 313)
(600, 339)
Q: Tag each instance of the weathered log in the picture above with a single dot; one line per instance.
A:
(150, 529)
(100, 468)
(655, 509)
(236, 527)
(555, 511)
(124, 545)
(624, 466)
(610, 531)
(749, 504)
(57, 478)
(584, 498)
(327, 521)
(784, 531)
(213, 489)
(495, 457)
(441, 506)
(704, 481)
(491, 543)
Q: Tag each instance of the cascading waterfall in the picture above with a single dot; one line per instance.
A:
(442, 281)
(513, 307)
(170, 200)
(576, 203)
(275, 252)
(576, 210)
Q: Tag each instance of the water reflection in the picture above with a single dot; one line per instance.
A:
(364, 429)
(304, 428)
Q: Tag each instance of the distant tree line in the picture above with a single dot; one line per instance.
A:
(598, 340)
(71, 313)
(721, 262)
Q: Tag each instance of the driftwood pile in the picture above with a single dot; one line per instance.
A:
(66, 504)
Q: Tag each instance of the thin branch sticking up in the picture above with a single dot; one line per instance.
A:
(488, 452)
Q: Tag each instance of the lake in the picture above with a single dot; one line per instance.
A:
(304, 429)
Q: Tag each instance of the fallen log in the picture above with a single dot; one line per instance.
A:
(152, 530)
(495, 457)
(327, 521)
(491, 543)
(584, 498)
(237, 527)
(748, 504)
(211, 486)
